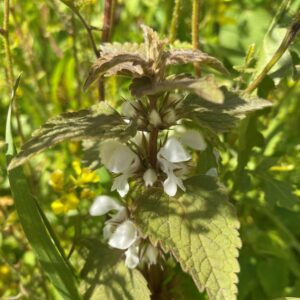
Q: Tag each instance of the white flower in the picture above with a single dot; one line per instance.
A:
(150, 177)
(193, 139)
(121, 232)
(124, 236)
(119, 159)
(132, 256)
(151, 254)
(170, 156)
(173, 151)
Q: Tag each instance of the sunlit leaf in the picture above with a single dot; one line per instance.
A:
(98, 122)
(204, 87)
(200, 229)
(105, 276)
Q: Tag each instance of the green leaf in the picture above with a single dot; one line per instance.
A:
(187, 56)
(43, 243)
(273, 274)
(148, 59)
(279, 192)
(200, 229)
(106, 276)
(272, 41)
(98, 122)
(224, 116)
(204, 87)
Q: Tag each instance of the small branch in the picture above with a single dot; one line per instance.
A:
(86, 26)
(195, 32)
(76, 62)
(286, 42)
(174, 22)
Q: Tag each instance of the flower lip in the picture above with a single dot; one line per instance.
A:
(173, 151)
(124, 236)
(104, 204)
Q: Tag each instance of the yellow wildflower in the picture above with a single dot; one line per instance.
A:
(57, 180)
(84, 175)
(65, 203)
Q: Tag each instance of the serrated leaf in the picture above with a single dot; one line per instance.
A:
(148, 59)
(98, 122)
(223, 117)
(200, 229)
(187, 56)
(279, 192)
(121, 63)
(37, 228)
(205, 87)
(106, 277)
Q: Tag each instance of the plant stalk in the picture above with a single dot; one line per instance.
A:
(286, 42)
(174, 22)
(195, 32)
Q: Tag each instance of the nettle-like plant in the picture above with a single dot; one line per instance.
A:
(162, 150)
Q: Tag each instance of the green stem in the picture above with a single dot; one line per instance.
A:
(195, 32)
(174, 22)
(9, 64)
(86, 26)
(76, 62)
(286, 42)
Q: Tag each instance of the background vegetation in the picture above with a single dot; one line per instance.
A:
(260, 163)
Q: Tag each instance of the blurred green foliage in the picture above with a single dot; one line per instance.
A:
(260, 167)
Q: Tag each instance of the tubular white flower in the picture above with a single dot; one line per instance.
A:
(154, 118)
(170, 157)
(150, 177)
(193, 139)
(173, 151)
(151, 255)
(171, 183)
(121, 185)
(117, 157)
(132, 256)
(120, 232)
(104, 204)
(124, 235)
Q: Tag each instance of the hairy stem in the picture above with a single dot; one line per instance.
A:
(86, 26)
(195, 32)
(174, 22)
(286, 42)
(108, 18)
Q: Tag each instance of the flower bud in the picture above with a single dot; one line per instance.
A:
(154, 118)
(170, 116)
(150, 177)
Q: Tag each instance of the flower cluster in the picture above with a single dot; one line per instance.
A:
(122, 233)
(173, 161)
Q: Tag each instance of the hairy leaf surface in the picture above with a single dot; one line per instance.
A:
(204, 87)
(200, 229)
(106, 277)
(223, 117)
(98, 122)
